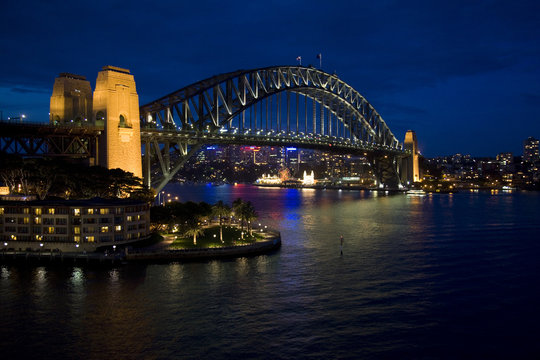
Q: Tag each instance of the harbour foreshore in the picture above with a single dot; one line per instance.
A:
(270, 244)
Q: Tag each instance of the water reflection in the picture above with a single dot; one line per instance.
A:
(175, 273)
(77, 277)
(414, 271)
(4, 273)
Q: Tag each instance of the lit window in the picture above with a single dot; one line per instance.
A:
(90, 211)
(129, 218)
(103, 211)
(77, 239)
(90, 238)
(13, 237)
(26, 220)
(51, 211)
(1, 211)
(77, 229)
(50, 229)
(37, 211)
(118, 228)
(26, 211)
(104, 229)
(76, 212)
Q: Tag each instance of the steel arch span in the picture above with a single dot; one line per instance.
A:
(282, 105)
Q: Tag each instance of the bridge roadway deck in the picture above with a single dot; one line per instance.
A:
(308, 141)
(11, 128)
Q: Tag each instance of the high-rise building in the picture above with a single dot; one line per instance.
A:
(530, 150)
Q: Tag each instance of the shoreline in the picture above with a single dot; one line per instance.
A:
(163, 256)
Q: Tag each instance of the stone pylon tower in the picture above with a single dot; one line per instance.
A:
(411, 164)
(71, 101)
(116, 107)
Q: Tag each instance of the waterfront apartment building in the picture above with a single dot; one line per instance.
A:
(72, 225)
(530, 150)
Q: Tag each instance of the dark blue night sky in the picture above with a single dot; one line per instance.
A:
(464, 75)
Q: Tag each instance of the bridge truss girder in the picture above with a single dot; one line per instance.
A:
(28, 140)
(198, 113)
(210, 104)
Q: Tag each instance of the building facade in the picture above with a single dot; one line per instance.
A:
(72, 225)
(530, 150)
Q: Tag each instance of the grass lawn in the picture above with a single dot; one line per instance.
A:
(210, 238)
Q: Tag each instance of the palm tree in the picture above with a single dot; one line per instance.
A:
(221, 210)
(238, 206)
(250, 215)
(246, 212)
(194, 230)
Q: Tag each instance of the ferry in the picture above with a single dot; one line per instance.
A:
(415, 192)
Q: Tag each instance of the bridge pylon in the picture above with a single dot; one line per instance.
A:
(116, 105)
(387, 169)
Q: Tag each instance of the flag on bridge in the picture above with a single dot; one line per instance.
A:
(319, 56)
(299, 59)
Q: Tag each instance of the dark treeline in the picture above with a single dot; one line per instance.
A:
(49, 178)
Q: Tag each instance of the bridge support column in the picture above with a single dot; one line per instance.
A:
(116, 100)
(147, 180)
(386, 169)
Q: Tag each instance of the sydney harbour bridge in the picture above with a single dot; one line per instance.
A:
(275, 106)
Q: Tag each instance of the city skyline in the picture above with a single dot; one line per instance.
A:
(463, 76)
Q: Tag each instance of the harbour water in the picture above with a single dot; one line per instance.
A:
(440, 276)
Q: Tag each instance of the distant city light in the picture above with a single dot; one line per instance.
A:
(291, 149)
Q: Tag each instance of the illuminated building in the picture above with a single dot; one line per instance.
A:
(71, 100)
(530, 150)
(308, 179)
(411, 166)
(72, 225)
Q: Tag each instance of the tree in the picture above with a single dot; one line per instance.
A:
(238, 206)
(9, 170)
(122, 182)
(246, 212)
(250, 215)
(42, 176)
(194, 229)
(221, 210)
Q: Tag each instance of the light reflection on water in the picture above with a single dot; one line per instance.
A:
(436, 276)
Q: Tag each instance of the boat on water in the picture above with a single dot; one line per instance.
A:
(415, 192)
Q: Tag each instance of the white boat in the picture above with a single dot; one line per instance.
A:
(415, 192)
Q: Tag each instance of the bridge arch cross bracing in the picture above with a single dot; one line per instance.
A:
(214, 111)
